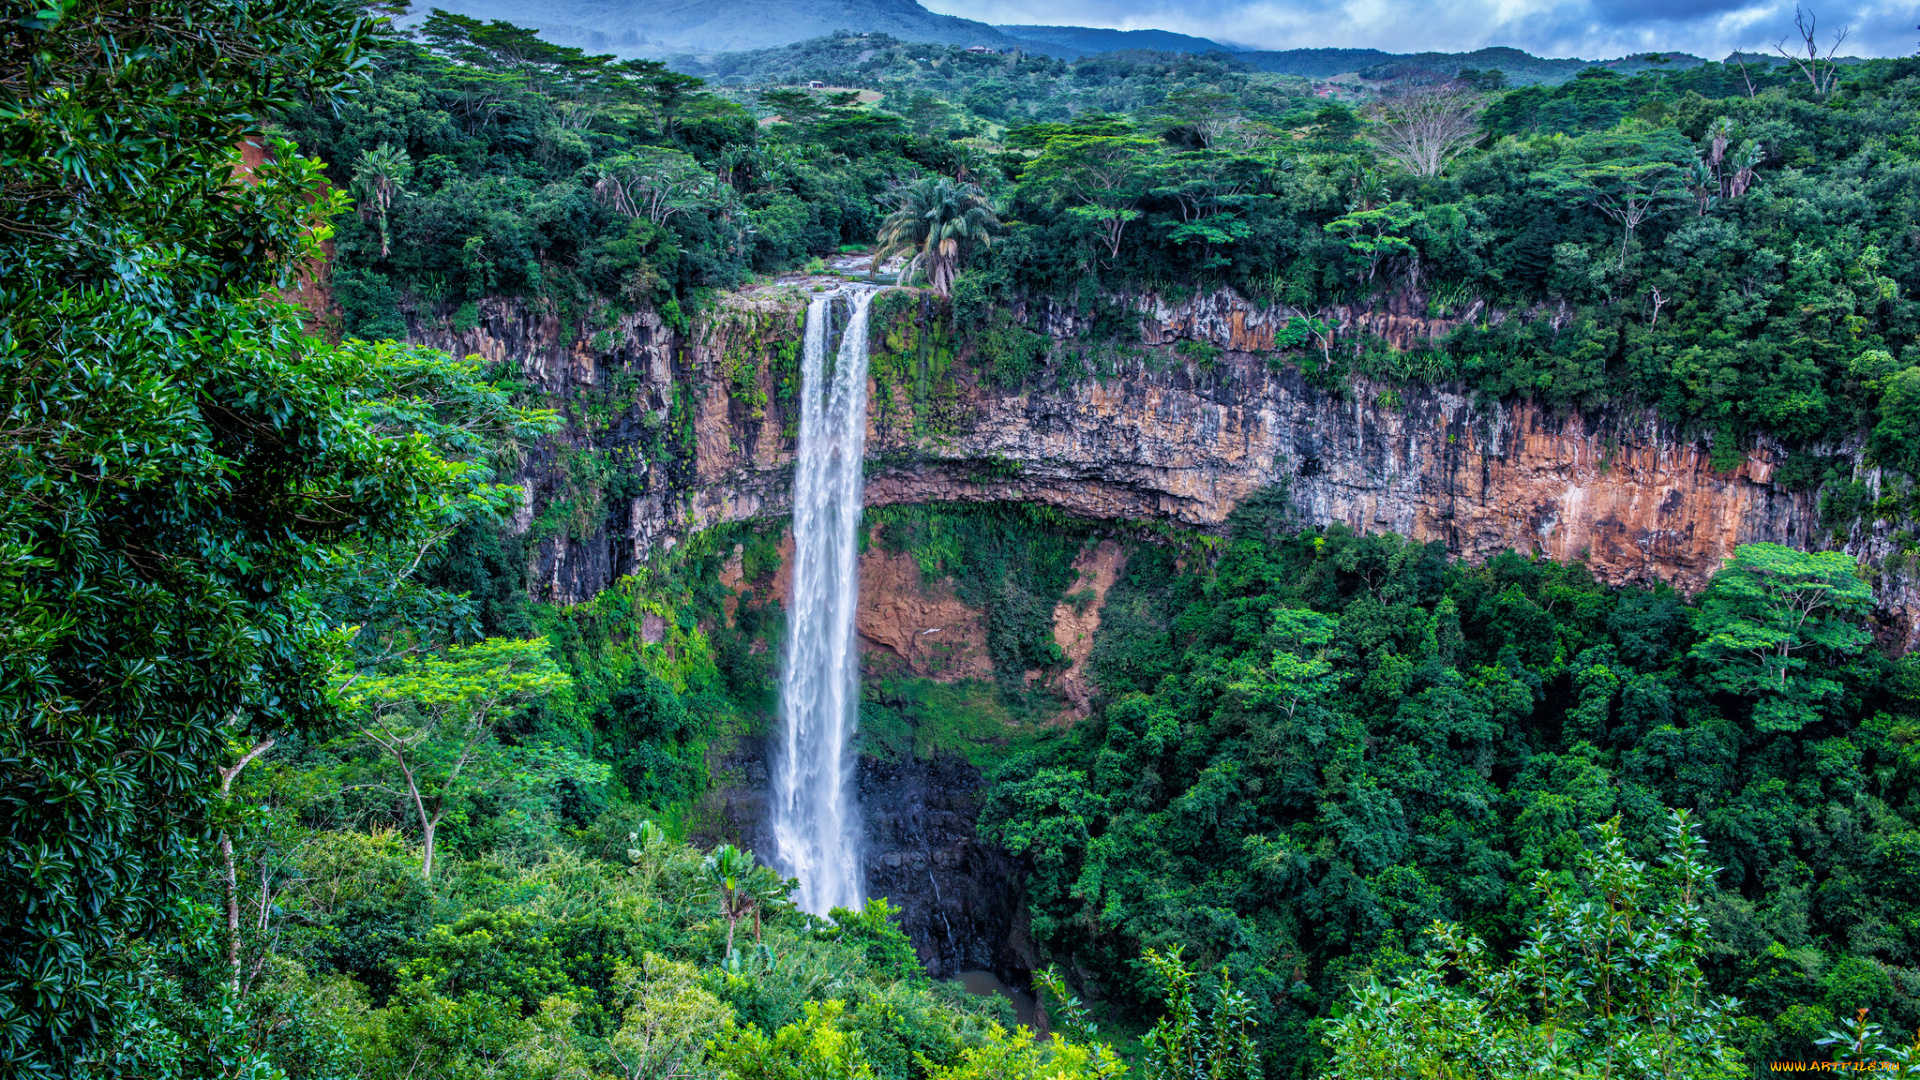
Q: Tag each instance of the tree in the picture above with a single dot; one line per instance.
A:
(1302, 328)
(666, 92)
(435, 716)
(927, 115)
(502, 47)
(1816, 67)
(1101, 178)
(1378, 233)
(1862, 1044)
(1206, 115)
(182, 464)
(657, 184)
(1720, 174)
(1184, 1045)
(1017, 1055)
(1296, 683)
(745, 889)
(380, 176)
(1423, 126)
(935, 219)
(804, 108)
(874, 927)
(668, 1022)
(818, 1047)
(1896, 433)
(229, 886)
(485, 88)
(1601, 987)
(1215, 192)
(1775, 622)
(1627, 193)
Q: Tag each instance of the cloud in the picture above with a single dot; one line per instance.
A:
(1666, 10)
(1594, 29)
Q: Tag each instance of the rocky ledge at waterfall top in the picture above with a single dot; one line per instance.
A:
(1165, 438)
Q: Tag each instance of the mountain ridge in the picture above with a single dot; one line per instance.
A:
(1088, 40)
(667, 28)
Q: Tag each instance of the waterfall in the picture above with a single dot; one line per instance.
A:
(816, 820)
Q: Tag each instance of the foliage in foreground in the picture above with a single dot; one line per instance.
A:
(604, 956)
(1316, 745)
(1607, 986)
(185, 471)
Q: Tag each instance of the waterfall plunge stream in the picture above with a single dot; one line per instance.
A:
(816, 819)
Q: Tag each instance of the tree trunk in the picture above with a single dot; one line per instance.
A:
(427, 827)
(231, 886)
(428, 822)
(228, 880)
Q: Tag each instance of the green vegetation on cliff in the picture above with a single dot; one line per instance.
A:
(488, 162)
(298, 780)
(1730, 247)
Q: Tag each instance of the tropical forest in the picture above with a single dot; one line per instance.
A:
(531, 555)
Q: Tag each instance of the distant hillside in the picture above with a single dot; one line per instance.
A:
(1083, 41)
(661, 27)
(707, 28)
(1521, 68)
(1314, 63)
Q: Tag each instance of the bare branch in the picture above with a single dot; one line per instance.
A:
(1424, 126)
(1820, 69)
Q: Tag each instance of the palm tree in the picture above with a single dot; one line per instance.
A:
(381, 175)
(746, 889)
(932, 218)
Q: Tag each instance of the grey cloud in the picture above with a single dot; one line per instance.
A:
(1589, 28)
(1665, 10)
(1603, 28)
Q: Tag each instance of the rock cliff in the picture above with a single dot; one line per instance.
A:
(1157, 436)
(673, 430)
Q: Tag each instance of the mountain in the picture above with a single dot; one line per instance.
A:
(661, 27)
(1084, 40)
(1521, 68)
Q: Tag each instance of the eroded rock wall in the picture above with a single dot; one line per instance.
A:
(700, 424)
(1162, 437)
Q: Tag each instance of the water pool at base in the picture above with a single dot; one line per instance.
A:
(1025, 1009)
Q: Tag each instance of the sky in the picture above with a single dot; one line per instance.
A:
(1593, 29)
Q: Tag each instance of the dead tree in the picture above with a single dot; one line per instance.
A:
(1421, 126)
(1819, 68)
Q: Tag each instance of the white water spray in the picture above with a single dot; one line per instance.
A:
(816, 820)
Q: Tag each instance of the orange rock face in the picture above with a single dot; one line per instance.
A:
(1634, 500)
(921, 627)
(1077, 618)
(906, 625)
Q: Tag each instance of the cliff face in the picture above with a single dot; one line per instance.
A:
(1162, 437)
(672, 431)
(960, 899)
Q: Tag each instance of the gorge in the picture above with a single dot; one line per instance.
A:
(1270, 590)
(1157, 441)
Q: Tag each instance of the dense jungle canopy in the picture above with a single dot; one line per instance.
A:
(300, 779)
